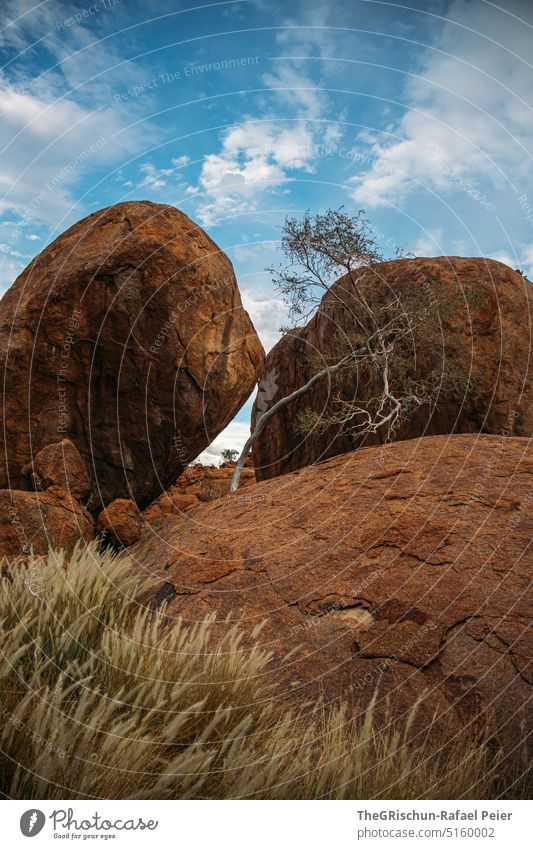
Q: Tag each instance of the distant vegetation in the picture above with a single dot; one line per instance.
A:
(101, 697)
(229, 455)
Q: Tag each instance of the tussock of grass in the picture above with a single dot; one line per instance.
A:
(100, 698)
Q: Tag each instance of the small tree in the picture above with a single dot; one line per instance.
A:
(370, 324)
(229, 455)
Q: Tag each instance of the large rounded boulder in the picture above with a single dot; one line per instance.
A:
(127, 336)
(400, 572)
(472, 341)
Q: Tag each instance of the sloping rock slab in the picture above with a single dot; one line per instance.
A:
(403, 569)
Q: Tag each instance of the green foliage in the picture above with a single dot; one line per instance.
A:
(104, 698)
(317, 250)
(386, 341)
(229, 455)
(419, 372)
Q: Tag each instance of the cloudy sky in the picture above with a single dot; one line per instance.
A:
(242, 112)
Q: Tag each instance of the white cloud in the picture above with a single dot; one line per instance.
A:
(430, 244)
(233, 436)
(296, 90)
(268, 314)
(260, 253)
(79, 62)
(243, 253)
(8, 251)
(45, 145)
(527, 256)
(506, 258)
(154, 177)
(256, 156)
(469, 114)
(60, 124)
(289, 80)
(523, 259)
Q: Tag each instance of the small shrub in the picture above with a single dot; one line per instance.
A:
(229, 455)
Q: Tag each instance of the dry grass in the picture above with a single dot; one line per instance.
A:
(100, 699)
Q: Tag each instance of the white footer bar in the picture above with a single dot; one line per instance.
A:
(272, 825)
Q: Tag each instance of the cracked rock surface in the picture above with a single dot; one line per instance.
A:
(404, 568)
(127, 335)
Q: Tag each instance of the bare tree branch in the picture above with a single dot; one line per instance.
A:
(262, 421)
(373, 324)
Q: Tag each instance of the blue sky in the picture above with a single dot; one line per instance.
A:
(242, 112)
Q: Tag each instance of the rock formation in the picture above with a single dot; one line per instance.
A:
(197, 485)
(402, 568)
(34, 522)
(120, 523)
(59, 464)
(127, 335)
(484, 339)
